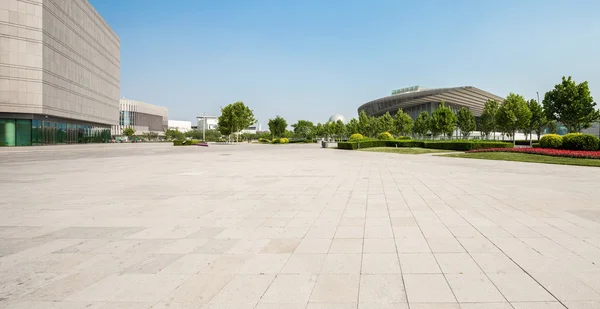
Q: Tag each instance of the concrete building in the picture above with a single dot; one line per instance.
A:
(414, 100)
(180, 125)
(142, 117)
(252, 129)
(207, 122)
(59, 73)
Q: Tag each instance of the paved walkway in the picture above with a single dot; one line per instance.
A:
(290, 227)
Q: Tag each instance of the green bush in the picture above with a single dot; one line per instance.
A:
(356, 137)
(536, 145)
(551, 141)
(284, 140)
(462, 145)
(188, 142)
(405, 143)
(361, 144)
(403, 137)
(264, 140)
(578, 141)
(385, 136)
(275, 141)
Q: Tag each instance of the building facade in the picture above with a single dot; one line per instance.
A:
(142, 117)
(180, 125)
(59, 73)
(414, 100)
(207, 122)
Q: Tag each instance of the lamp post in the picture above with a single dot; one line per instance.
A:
(203, 117)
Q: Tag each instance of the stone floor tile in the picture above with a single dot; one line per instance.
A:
(290, 289)
(216, 246)
(308, 245)
(503, 305)
(538, 305)
(331, 305)
(341, 264)
(434, 305)
(382, 289)
(248, 246)
(343, 245)
(264, 263)
(457, 263)
(473, 288)
(282, 245)
(335, 288)
(445, 245)
(380, 264)
(379, 232)
(189, 264)
(582, 304)
(495, 263)
(477, 244)
(349, 232)
(199, 289)
(412, 245)
(384, 245)
(227, 264)
(427, 288)
(304, 264)
(243, 290)
(520, 287)
(566, 287)
(403, 305)
(418, 263)
(280, 306)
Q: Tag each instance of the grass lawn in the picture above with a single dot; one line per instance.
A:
(525, 157)
(403, 150)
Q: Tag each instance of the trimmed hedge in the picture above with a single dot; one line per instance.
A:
(551, 141)
(578, 141)
(464, 145)
(356, 137)
(460, 145)
(186, 142)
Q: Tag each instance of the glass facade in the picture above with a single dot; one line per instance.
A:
(27, 132)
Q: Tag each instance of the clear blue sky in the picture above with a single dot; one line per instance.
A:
(309, 59)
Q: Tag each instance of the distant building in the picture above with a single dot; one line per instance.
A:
(142, 117)
(207, 122)
(252, 129)
(336, 117)
(414, 100)
(180, 125)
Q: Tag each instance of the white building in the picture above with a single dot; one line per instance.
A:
(252, 129)
(180, 125)
(207, 122)
(142, 117)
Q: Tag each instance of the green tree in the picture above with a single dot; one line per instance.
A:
(329, 129)
(571, 104)
(174, 135)
(129, 132)
(340, 129)
(367, 125)
(443, 121)
(552, 127)
(514, 115)
(385, 123)
(403, 123)
(538, 121)
(234, 118)
(465, 121)
(277, 126)
(421, 126)
(488, 121)
(320, 130)
(304, 129)
(352, 126)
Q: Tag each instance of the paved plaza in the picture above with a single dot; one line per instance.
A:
(292, 227)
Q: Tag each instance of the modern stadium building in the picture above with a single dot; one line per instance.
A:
(414, 100)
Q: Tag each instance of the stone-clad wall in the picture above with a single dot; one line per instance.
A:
(81, 63)
(59, 58)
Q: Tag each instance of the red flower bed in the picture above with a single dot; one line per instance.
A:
(546, 152)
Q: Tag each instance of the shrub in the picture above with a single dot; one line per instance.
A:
(462, 145)
(403, 137)
(275, 141)
(361, 144)
(578, 141)
(547, 152)
(385, 136)
(284, 140)
(188, 142)
(536, 145)
(264, 140)
(551, 141)
(404, 143)
(356, 137)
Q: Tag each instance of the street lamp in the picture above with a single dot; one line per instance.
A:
(538, 95)
(203, 117)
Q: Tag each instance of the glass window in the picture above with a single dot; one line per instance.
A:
(23, 132)
(7, 132)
